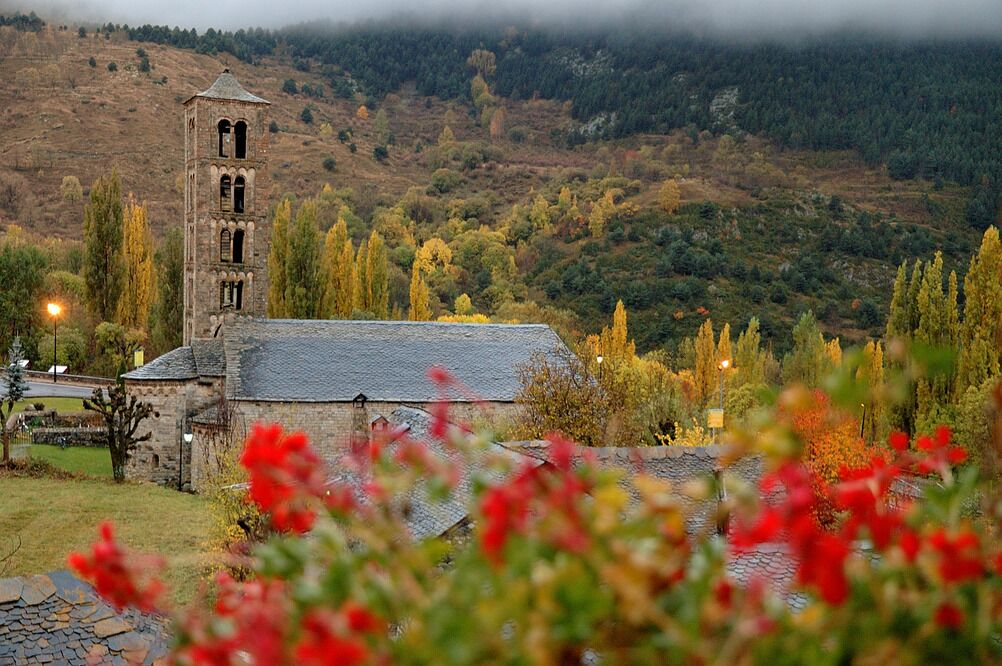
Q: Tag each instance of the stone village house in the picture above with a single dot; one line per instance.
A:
(331, 379)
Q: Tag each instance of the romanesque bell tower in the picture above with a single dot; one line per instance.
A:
(226, 228)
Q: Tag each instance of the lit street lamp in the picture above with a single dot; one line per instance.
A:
(599, 360)
(185, 439)
(54, 310)
(719, 417)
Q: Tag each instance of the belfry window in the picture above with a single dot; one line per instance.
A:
(224, 138)
(224, 193)
(238, 195)
(225, 243)
(238, 246)
(240, 132)
(231, 295)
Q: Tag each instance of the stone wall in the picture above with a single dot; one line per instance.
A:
(70, 436)
(175, 402)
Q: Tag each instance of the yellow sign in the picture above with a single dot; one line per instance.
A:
(715, 418)
(137, 358)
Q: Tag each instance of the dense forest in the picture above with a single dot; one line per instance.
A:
(925, 109)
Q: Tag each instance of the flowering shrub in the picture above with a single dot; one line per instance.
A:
(567, 559)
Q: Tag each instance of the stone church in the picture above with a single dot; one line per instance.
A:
(334, 380)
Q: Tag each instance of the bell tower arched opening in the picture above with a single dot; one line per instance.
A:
(240, 140)
(224, 137)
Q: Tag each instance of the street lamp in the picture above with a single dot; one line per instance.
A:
(599, 360)
(54, 310)
(185, 439)
(724, 364)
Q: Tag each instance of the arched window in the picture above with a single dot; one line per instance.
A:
(231, 295)
(156, 461)
(225, 243)
(224, 138)
(238, 246)
(238, 195)
(240, 131)
(224, 193)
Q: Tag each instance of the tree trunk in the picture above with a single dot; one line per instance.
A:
(6, 443)
(117, 461)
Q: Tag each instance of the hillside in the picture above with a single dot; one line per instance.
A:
(762, 230)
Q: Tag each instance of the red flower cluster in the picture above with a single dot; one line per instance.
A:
(549, 492)
(287, 478)
(960, 556)
(121, 577)
(330, 637)
(248, 626)
(941, 455)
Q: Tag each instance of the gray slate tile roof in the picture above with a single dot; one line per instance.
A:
(227, 87)
(427, 518)
(177, 364)
(59, 619)
(334, 361)
(210, 357)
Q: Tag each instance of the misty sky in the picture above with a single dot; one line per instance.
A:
(736, 18)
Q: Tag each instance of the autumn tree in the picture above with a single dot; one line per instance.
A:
(419, 307)
(463, 305)
(104, 269)
(669, 196)
(122, 415)
(484, 62)
(360, 290)
(377, 277)
(870, 375)
(280, 220)
(382, 126)
(938, 328)
(116, 345)
(70, 189)
(302, 267)
(168, 310)
(749, 358)
(810, 359)
(981, 330)
(446, 137)
(137, 251)
(362, 113)
(12, 390)
(601, 212)
(705, 371)
(337, 273)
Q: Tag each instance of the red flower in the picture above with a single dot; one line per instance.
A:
(332, 638)
(909, 544)
(121, 577)
(960, 555)
(949, 616)
(940, 454)
(898, 441)
(287, 478)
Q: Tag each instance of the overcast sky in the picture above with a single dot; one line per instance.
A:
(735, 18)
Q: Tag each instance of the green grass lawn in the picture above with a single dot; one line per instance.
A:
(53, 517)
(58, 404)
(81, 459)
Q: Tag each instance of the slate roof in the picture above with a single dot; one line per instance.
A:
(227, 87)
(59, 619)
(427, 518)
(210, 357)
(334, 361)
(177, 364)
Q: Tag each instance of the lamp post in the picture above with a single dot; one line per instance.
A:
(726, 363)
(185, 439)
(54, 310)
(599, 360)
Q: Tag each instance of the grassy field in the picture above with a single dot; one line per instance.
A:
(58, 404)
(54, 517)
(81, 459)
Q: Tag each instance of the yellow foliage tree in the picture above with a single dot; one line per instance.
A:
(705, 374)
(420, 309)
(463, 305)
(497, 123)
(362, 113)
(337, 273)
(277, 254)
(137, 253)
(871, 375)
(670, 197)
(446, 137)
(433, 252)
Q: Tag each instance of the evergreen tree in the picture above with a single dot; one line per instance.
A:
(810, 358)
(706, 363)
(138, 288)
(168, 312)
(980, 334)
(12, 389)
(377, 277)
(280, 221)
(104, 271)
(302, 268)
(419, 310)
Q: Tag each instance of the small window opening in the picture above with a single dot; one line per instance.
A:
(238, 195)
(224, 193)
(231, 294)
(238, 246)
(156, 461)
(224, 245)
(224, 138)
(240, 130)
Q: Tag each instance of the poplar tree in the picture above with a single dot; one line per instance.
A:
(420, 309)
(280, 220)
(104, 272)
(168, 311)
(724, 345)
(337, 273)
(809, 359)
(870, 374)
(619, 347)
(377, 279)
(138, 287)
(749, 359)
(360, 293)
(980, 332)
(302, 268)
(898, 325)
(937, 328)
(706, 362)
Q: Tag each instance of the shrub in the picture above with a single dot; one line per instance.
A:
(380, 153)
(273, 127)
(445, 180)
(306, 116)
(289, 87)
(330, 163)
(92, 61)
(352, 148)
(112, 66)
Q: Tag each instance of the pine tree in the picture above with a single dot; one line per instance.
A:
(980, 332)
(104, 270)
(706, 363)
(302, 268)
(280, 221)
(12, 389)
(137, 250)
(377, 277)
(419, 310)
(749, 359)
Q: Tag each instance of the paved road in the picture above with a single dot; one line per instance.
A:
(48, 389)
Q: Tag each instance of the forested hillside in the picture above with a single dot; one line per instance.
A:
(538, 176)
